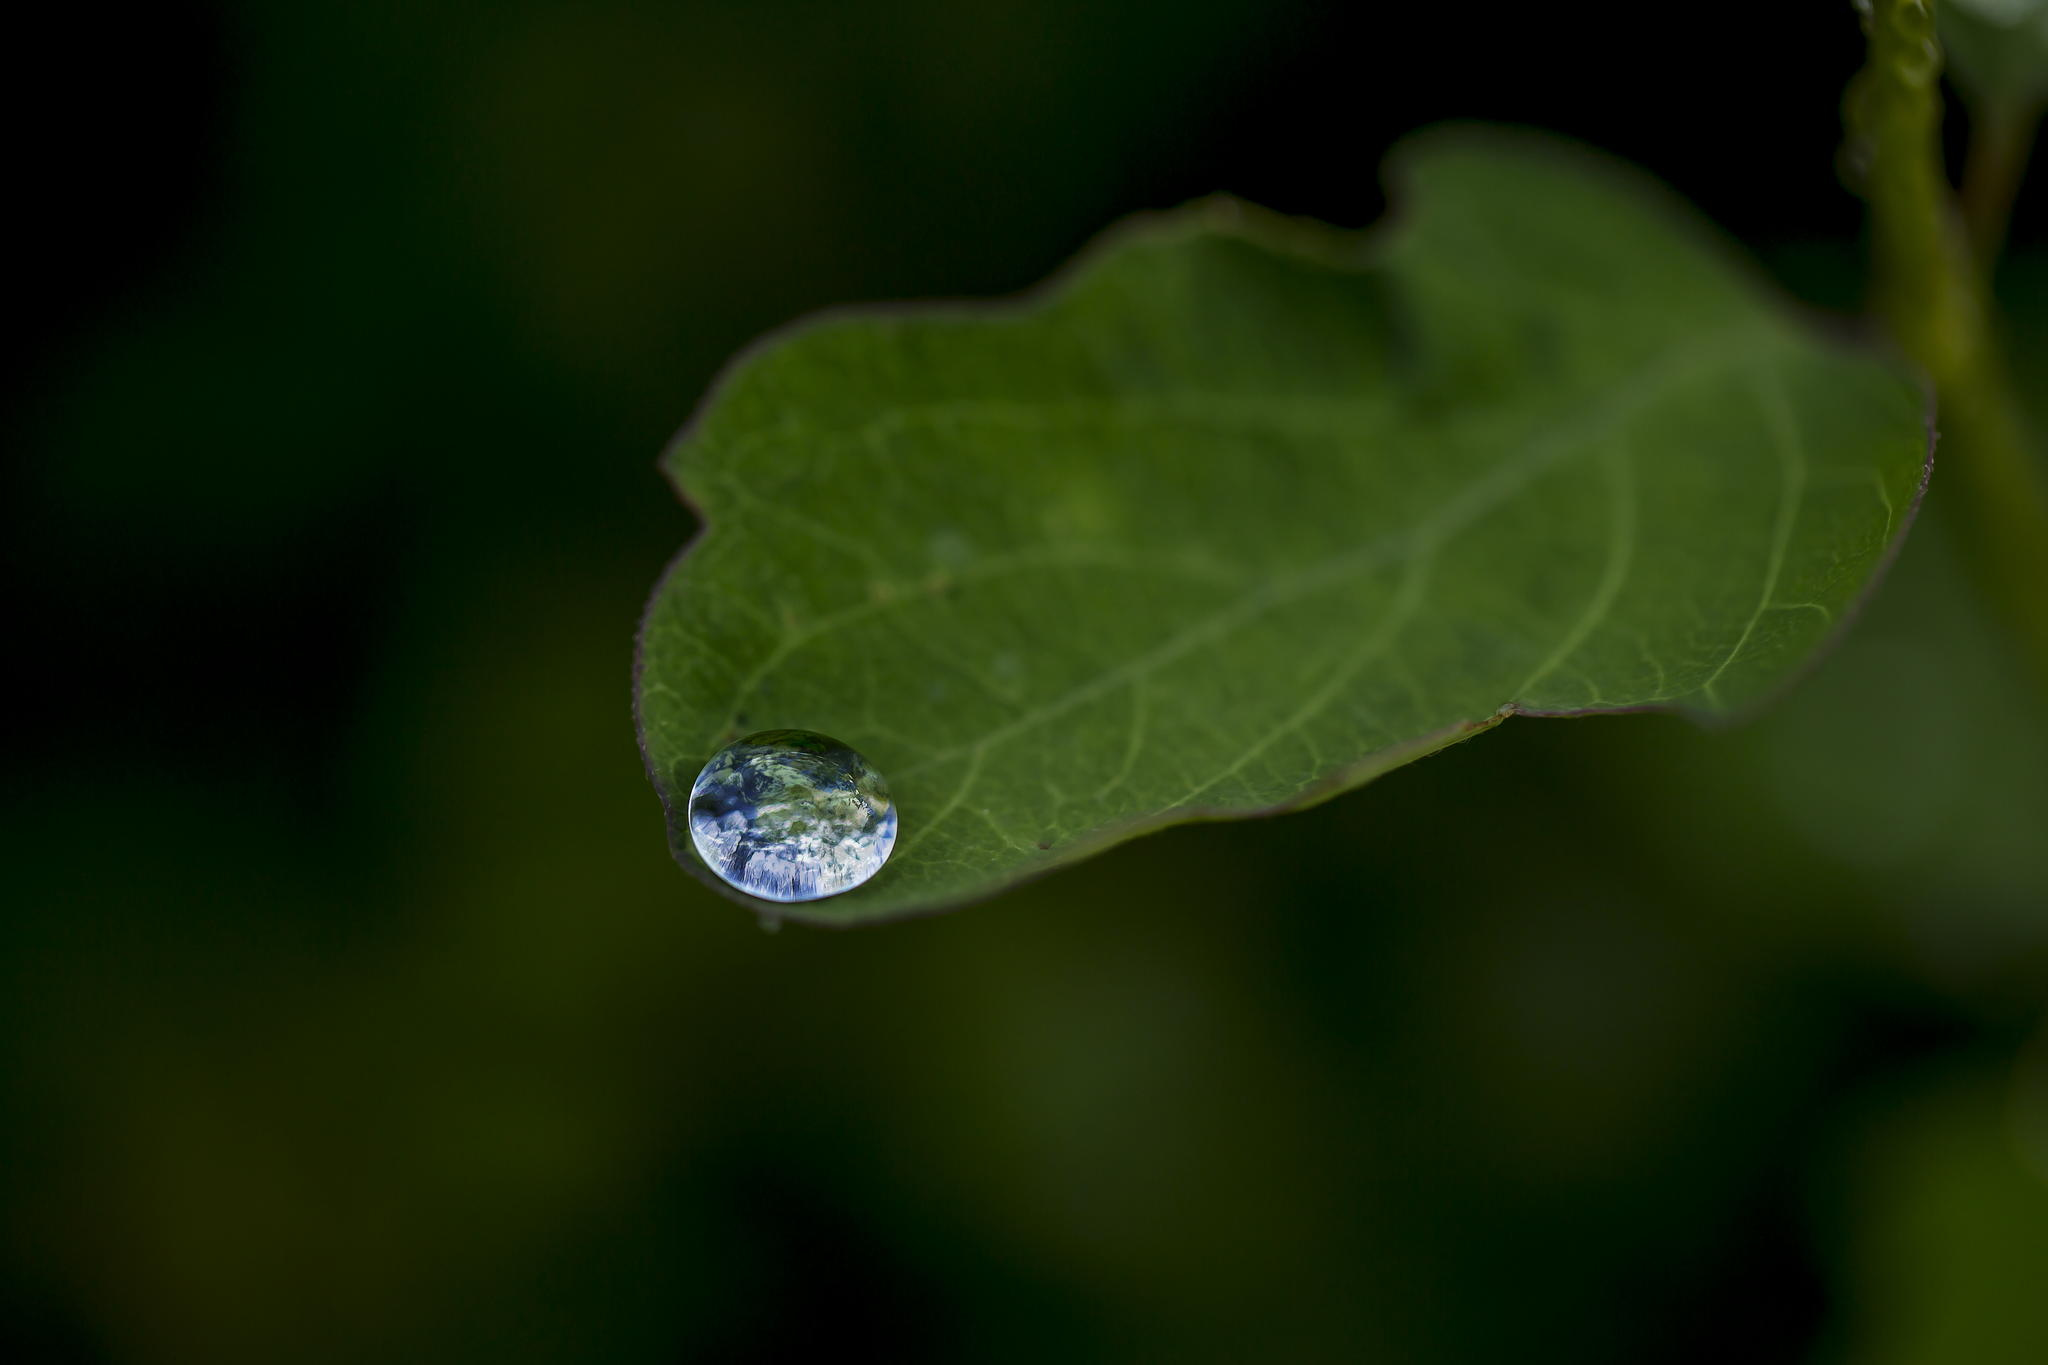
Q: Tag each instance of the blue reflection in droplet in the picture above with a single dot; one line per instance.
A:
(792, 815)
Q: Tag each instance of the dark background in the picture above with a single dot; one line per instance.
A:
(351, 1008)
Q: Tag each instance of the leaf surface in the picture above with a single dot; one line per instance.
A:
(1997, 49)
(1243, 512)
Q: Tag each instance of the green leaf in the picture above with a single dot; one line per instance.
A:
(1997, 49)
(1244, 512)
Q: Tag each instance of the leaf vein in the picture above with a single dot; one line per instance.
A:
(1614, 574)
(1530, 459)
(1791, 492)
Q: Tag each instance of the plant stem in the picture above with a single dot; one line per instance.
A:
(2001, 140)
(1932, 290)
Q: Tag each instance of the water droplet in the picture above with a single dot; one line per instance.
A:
(792, 815)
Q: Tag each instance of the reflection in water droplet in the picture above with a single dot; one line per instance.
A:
(792, 815)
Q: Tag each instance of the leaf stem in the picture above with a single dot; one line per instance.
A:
(2001, 141)
(1933, 290)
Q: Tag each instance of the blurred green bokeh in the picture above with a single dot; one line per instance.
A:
(351, 1008)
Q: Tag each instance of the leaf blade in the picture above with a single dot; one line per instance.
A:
(1244, 513)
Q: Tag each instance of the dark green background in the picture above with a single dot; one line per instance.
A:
(351, 1008)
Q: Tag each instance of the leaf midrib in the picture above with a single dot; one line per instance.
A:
(1648, 385)
(1535, 456)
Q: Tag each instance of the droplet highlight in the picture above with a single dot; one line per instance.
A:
(792, 815)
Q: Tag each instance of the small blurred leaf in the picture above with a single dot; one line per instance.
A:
(1997, 49)
(1243, 513)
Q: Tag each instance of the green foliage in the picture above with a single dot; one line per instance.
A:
(1997, 49)
(1246, 512)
